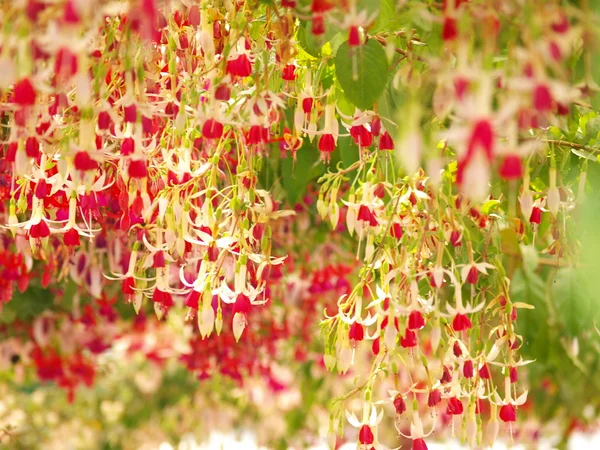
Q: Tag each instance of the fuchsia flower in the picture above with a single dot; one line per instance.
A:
(511, 167)
(419, 444)
(365, 435)
(159, 159)
(416, 320)
(212, 129)
(71, 238)
(289, 72)
(386, 142)
(354, 36)
(356, 332)
(542, 98)
(450, 29)
(24, 94)
(455, 406)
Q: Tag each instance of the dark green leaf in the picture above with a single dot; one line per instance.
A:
(362, 72)
(295, 177)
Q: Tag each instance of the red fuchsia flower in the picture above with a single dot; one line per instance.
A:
(511, 167)
(386, 142)
(446, 376)
(257, 135)
(419, 444)
(71, 13)
(450, 29)
(361, 135)
(455, 406)
(32, 147)
(321, 6)
(461, 85)
(473, 166)
(461, 322)
(514, 375)
(24, 94)
(468, 369)
(104, 120)
(41, 189)
(327, 144)
(482, 138)
(536, 215)
(399, 404)
(472, 275)
(365, 435)
(508, 413)
(456, 350)
(318, 25)
(456, 238)
(127, 146)
(354, 36)
(376, 346)
(65, 65)
(396, 230)
(39, 230)
(137, 168)
(84, 162)
(130, 113)
(34, 8)
(307, 105)
(507, 410)
(71, 238)
(409, 340)
(240, 66)
(561, 25)
(416, 320)
(366, 215)
(192, 299)
(379, 191)
(356, 333)
(212, 129)
(223, 92)
(289, 72)
(162, 298)
(484, 372)
(542, 98)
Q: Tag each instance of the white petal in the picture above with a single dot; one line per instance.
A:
(352, 419)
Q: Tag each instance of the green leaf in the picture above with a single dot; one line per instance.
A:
(362, 72)
(348, 150)
(313, 44)
(387, 12)
(31, 303)
(295, 177)
(572, 301)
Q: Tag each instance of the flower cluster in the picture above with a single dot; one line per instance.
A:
(187, 157)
